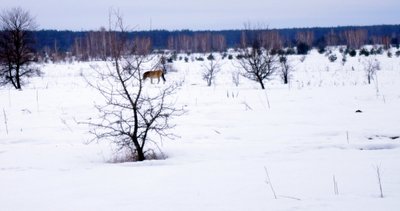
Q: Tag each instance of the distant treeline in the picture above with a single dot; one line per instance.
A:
(85, 45)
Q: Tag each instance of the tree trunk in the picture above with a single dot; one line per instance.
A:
(262, 84)
(260, 80)
(11, 77)
(17, 78)
(139, 150)
(140, 154)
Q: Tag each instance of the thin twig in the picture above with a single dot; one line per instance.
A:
(290, 197)
(335, 186)
(5, 120)
(378, 173)
(247, 106)
(268, 181)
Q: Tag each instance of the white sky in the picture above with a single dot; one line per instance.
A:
(208, 14)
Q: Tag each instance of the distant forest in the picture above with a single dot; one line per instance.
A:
(85, 45)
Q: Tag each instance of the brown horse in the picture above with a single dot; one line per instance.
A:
(154, 74)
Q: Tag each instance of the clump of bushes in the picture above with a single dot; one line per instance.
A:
(364, 52)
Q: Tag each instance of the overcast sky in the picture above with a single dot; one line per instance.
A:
(208, 14)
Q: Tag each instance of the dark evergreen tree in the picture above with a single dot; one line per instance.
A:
(302, 48)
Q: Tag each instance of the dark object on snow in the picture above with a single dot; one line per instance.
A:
(358, 111)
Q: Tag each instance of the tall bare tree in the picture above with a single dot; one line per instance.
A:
(331, 38)
(271, 40)
(306, 37)
(16, 46)
(355, 38)
(133, 116)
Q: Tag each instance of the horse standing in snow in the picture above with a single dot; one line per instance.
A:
(154, 74)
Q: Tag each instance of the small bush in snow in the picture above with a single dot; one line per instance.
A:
(210, 57)
(332, 57)
(200, 59)
(224, 55)
(240, 56)
(290, 51)
(397, 53)
(321, 50)
(352, 53)
(344, 59)
(364, 52)
(303, 58)
(279, 52)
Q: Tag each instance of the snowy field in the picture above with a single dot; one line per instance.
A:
(307, 135)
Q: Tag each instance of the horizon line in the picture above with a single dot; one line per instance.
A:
(232, 29)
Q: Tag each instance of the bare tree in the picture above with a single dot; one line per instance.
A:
(355, 38)
(371, 66)
(306, 37)
(286, 69)
(132, 116)
(211, 68)
(258, 64)
(271, 40)
(16, 46)
(331, 38)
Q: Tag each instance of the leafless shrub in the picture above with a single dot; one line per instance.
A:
(371, 66)
(286, 69)
(211, 68)
(236, 78)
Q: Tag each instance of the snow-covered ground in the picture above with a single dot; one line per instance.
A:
(305, 135)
